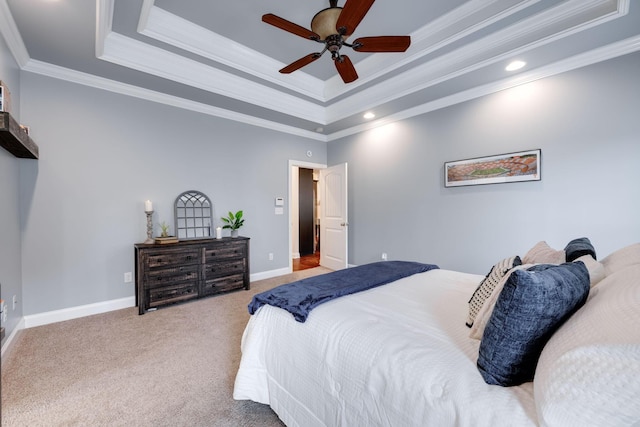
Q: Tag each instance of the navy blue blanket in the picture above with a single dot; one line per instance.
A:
(300, 297)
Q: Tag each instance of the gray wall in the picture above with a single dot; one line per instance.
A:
(587, 124)
(103, 154)
(10, 239)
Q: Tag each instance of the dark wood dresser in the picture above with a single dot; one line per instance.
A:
(190, 269)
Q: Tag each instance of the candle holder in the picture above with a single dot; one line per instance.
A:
(149, 227)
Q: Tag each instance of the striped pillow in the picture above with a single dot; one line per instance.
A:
(488, 284)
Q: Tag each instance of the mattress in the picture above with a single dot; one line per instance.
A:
(397, 355)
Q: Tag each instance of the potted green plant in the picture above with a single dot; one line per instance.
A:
(164, 229)
(233, 222)
(164, 236)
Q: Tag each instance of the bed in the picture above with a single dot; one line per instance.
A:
(400, 354)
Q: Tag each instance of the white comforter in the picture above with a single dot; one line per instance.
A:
(397, 355)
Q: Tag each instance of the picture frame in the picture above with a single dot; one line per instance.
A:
(5, 98)
(510, 167)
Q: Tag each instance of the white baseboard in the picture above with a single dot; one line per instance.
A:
(40, 319)
(48, 317)
(11, 337)
(269, 274)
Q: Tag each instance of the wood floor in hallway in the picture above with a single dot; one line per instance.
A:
(306, 261)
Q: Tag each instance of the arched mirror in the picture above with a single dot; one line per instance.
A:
(193, 215)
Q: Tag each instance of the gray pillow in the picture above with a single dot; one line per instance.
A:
(530, 308)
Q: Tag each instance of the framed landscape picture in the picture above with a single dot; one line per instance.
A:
(510, 167)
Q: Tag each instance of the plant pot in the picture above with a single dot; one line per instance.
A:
(234, 233)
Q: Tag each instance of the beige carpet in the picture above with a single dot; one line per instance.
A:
(172, 367)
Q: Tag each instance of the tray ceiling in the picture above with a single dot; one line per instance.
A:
(220, 59)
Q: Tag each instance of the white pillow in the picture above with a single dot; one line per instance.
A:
(622, 258)
(542, 253)
(589, 372)
(595, 268)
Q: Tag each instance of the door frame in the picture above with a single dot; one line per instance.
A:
(300, 164)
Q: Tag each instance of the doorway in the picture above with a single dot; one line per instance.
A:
(306, 242)
(331, 202)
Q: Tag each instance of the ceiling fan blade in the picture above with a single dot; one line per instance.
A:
(306, 60)
(289, 26)
(346, 69)
(351, 15)
(382, 44)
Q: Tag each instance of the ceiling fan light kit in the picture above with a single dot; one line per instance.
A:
(332, 27)
(324, 22)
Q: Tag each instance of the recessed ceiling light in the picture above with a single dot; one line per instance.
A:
(319, 129)
(369, 115)
(515, 65)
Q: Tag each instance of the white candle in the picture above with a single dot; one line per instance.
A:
(148, 206)
(218, 232)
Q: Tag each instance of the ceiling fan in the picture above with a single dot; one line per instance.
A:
(332, 27)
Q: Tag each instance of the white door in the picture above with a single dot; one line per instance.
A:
(334, 224)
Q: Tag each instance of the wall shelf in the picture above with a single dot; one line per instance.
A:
(15, 140)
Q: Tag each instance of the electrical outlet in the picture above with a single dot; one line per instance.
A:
(15, 301)
(384, 256)
(270, 257)
(128, 277)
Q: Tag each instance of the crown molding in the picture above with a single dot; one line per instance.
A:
(499, 46)
(66, 74)
(582, 14)
(104, 21)
(594, 56)
(152, 60)
(614, 50)
(11, 35)
(166, 27)
(171, 29)
(472, 16)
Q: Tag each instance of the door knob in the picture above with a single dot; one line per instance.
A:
(344, 224)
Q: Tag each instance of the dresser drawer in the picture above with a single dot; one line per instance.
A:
(223, 284)
(224, 252)
(166, 276)
(168, 258)
(172, 294)
(224, 268)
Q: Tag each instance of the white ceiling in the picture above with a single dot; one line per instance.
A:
(220, 59)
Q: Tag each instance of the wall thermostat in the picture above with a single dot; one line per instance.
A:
(279, 201)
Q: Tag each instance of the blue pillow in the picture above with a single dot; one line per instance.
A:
(530, 308)
(579, 247)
